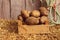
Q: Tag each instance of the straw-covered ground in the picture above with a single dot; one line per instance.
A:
(9, 31)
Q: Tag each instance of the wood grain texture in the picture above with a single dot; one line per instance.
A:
(32, 4)
(6, 9)
(0, 8)
(16, 7)
(10, 9)
(35, 29)
(29, 5)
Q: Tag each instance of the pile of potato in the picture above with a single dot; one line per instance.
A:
(35, 17)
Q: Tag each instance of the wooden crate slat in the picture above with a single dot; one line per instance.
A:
(0, 8)
(29, 29)
(29, 5)
(6, 9)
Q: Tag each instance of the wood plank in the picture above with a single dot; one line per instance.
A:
(32, 4)
(0, 8)
(29, 5)
(16, 7)
(36, 4)
(6, 9)
(35, 29)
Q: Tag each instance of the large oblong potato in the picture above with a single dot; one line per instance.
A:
(25, 13)
(44, 19)
(35, 13)
(43, 11)
(32, 21)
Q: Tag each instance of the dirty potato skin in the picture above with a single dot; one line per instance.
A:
(20, 18)
(32, 21)
(44, 20)
(43, 11)
(35, 13)
(25, 13)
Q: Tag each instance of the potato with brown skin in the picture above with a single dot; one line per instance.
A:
(25, 13)
(29, 12)
(44, 20)
(32, 21)
(35, 13)
(20, 18)
(43, 11)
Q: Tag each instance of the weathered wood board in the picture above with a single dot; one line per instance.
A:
(10, 9)
(6, 9)
(33, 29)
(0, 8)
(16, 7)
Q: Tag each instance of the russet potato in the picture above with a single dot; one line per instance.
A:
(32, 21)
(44, 20)
(35, 13)
(35, 17)
(43, 11)
(25, 13)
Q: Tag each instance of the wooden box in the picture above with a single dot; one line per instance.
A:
(35, 29)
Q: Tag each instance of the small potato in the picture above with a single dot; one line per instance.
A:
(44, 20)
(20, 18)
(29, 12)
(25, 13)
(32, 21)
(35, 13)
(43, 11)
